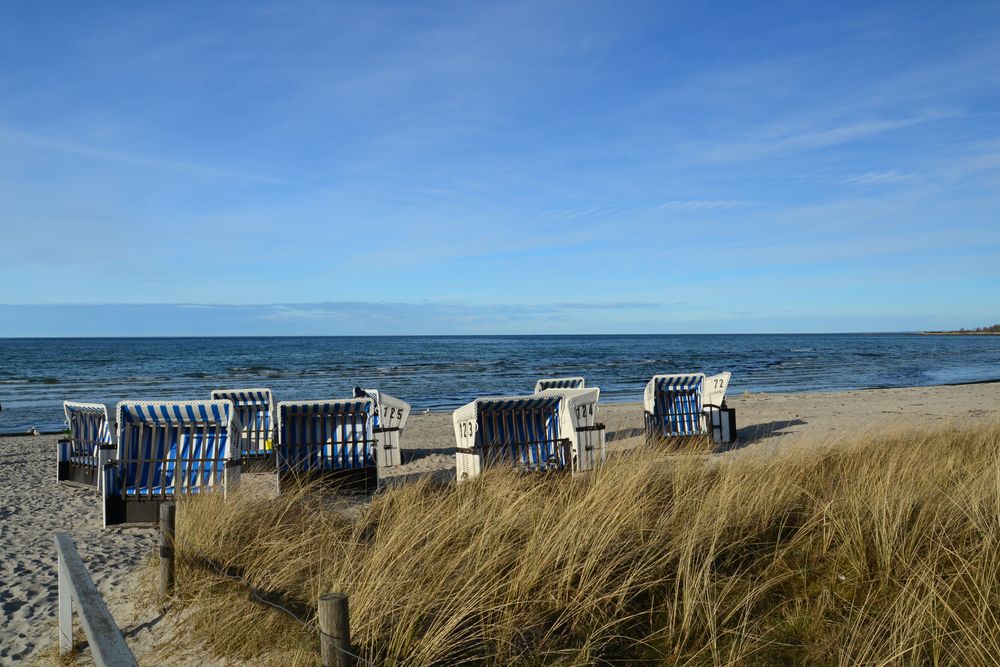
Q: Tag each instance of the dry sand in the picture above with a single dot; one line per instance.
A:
(33, 506)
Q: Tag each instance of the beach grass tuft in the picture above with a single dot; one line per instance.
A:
(879, 550)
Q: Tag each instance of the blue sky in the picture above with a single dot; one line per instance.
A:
(498, 167)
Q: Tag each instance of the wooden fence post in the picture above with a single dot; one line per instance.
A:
(168, 524)
(335, 631)
(65, 604)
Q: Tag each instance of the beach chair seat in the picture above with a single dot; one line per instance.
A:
(332, 441)
(81, 456)
(388, 421)
(578, 422)
(559, 383)
(517, 431)
(168, 449)
(255, 411)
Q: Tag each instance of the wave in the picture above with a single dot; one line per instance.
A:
(32, 380)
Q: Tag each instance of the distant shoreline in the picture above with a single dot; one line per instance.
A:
(960, 333)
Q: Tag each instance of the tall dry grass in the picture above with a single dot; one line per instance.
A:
(881, 551)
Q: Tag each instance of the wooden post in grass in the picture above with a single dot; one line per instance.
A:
(168, 525)
(335, 631)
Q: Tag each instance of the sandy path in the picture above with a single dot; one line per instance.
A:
(33, 506)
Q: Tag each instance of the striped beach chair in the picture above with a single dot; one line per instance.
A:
(578, 422)
(518, 431)
(332, 441)
(166, 450)
(255, 410)
(559, 383)
(673, 407)
(388, 421)
(81, 457)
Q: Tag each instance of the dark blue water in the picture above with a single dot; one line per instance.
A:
(439, 373)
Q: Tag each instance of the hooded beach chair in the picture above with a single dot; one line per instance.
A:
(578, 423)
(81, 456)
(166, 450)
(255, 410)
(518, 431)
(678, 406)
(333, 441)
(559, 383)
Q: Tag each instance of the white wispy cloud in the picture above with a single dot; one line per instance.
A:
(875, 178)
(130, 159)
(796, 135)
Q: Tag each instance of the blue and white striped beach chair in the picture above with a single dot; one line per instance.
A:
(166, 450)
(689, 405)
(81, 457)
(673, 406)
(518, 431)
(388, 420)
(559, 383)
(333, 441)
(255, 410)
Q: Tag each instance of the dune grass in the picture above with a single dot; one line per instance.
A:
(884, 550)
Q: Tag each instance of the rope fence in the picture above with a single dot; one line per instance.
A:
(330, 619)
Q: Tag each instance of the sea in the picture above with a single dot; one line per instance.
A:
(440, 373)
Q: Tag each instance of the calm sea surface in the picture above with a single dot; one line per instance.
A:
(440, 373)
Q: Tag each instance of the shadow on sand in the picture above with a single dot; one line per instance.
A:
(754, 433)
(624, 434)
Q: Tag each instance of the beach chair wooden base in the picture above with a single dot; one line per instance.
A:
(700, 443)
(76, 473)
(253, 462)
(143, 510)
(659, 436)
(469, 463)
(349, 480)
(133, 512)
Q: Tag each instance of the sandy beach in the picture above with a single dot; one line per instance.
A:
(33, 506)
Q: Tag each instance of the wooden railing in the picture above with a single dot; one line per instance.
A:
(77, 592)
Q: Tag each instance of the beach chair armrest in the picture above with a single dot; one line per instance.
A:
(595, 427)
